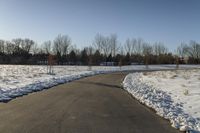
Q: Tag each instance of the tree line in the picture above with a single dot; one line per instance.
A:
(104, 50)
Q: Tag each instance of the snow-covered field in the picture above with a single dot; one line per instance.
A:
(17, 80)
(174, 95)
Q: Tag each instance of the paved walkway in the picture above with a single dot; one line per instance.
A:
(91, 105)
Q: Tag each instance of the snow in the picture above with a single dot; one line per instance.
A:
(18, 80)
(174, 95)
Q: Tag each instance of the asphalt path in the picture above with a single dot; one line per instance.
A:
(94, 104)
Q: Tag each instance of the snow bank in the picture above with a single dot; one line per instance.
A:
(18, 80)
(10, 93)
(160, 91)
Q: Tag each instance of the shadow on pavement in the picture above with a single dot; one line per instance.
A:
(99, 84)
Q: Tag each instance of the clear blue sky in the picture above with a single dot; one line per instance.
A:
(168, 21)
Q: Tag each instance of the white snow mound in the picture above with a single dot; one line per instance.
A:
(157, 96)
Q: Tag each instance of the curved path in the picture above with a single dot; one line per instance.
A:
(91, 105)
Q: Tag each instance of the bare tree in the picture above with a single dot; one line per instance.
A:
(134, 46)
(75, 49)
(26, 46)
(22, 46)
(35, 49)
(66, 44)
(98, 42)
(114, 44)
(9, 47)
(193, 50)
(106, 44)
(57, 48)
(90, 52)
(128, 46)
(2, 46)
(147, 51)
(17, 44)
(182, 50)
(106, 47)
(47, 47)
(138, 49)
(61, 45)
(159, 48)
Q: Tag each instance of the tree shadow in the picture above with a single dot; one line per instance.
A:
(100, 84)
